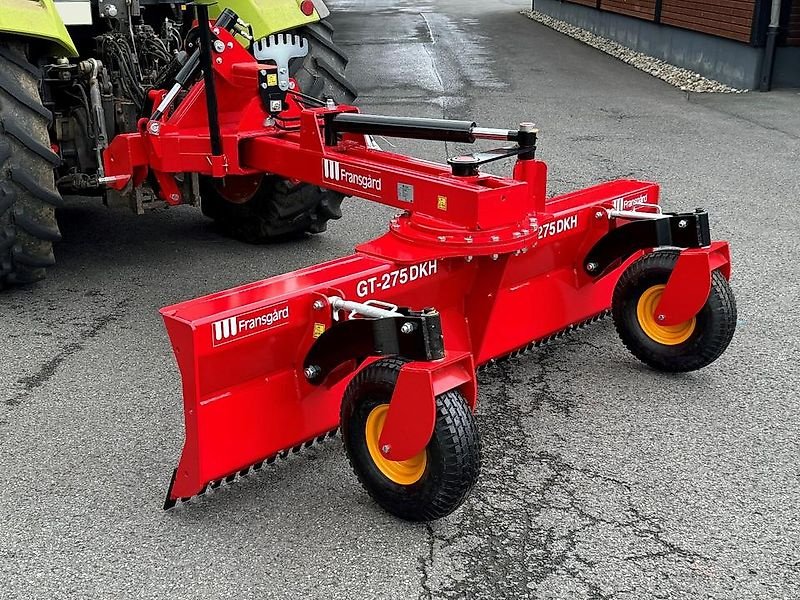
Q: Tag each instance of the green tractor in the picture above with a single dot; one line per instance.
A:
(75, 73)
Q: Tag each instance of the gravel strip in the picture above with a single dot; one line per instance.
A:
(686, 80)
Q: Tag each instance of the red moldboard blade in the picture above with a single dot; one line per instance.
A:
(243, 402)
(240, 353)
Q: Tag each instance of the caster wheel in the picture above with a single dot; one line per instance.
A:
(425, 487)
(686, 346)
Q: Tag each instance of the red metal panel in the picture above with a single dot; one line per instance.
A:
(244, 397)
(244, 391)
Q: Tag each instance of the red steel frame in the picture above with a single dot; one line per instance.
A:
(502, 264)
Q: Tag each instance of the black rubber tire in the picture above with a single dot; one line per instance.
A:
(321, 72)
(279, 209)
(714, 328)
(454, 454)
(28, 196)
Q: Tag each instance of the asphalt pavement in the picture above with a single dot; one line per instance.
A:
(601, 478)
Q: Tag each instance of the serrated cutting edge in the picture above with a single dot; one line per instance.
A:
(253, 469)
(527, 348)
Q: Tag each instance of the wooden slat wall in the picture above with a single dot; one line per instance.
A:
(793, 34)
(643, 9)
(592, 3)
(725, 18)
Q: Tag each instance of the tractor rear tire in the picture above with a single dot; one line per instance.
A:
(265, 209)
(321, 72)
(277, 209)
(28, 196)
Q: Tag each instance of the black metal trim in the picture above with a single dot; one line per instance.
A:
(208, 76)
(169, 502)
(760, 23)
(657, 12)
(414, 335)
(682, 230)
(527, 140)
(444, 130)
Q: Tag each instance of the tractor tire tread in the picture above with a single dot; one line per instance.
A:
(38, 147)
(8, 86)
(28, 196)
(278, 211)
(36, 228)
(26, 180)
(33, 260)
(17, 57)
(326, 24)
(322, 32)
(322, 72)
(336, 74)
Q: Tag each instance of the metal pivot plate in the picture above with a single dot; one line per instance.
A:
(416, 336)
(281, 48)
(273, 98)
(467, 165)
(682, 230)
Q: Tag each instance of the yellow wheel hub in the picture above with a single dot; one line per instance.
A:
(403, 472)
(669, 335)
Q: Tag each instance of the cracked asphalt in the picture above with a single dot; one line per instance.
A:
(601, 478)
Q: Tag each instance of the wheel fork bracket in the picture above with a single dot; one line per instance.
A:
(683, 230)
(412, 409)
(689, 284)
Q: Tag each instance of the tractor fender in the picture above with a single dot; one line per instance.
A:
(689, 284)
(40, 21)
(412, 409)
(272, 17)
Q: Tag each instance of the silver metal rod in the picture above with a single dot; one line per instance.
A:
(775, 13)
(162, 108)
(635, 216)
(98, 114)
(487, 133)
(112, 179)
(365, 310)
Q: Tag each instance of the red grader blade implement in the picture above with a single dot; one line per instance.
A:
(384, 343)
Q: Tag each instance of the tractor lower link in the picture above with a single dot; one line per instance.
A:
(384, 343)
